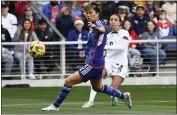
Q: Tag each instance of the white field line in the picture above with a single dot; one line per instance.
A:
(72, 103)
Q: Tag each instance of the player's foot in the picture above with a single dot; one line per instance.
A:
(50, 108)
(88, 105)
(114, 101)
(127, 99)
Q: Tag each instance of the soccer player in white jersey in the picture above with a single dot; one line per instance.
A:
(116, 61)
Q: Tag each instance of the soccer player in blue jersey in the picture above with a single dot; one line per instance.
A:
(94, 63)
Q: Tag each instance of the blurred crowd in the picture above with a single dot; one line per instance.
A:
(147, 20)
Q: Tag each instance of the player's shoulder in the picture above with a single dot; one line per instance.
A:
(100, 23)
(123, 31)
(124, 34)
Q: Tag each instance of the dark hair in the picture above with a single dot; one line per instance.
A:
(161, 12)
(115, 15)
(131, 27)
(42, 21)
(22, 32)
(153, 24)
(93, 6)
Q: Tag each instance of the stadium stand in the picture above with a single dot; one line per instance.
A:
(61, 21)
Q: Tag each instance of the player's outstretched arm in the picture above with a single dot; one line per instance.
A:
(100, 29)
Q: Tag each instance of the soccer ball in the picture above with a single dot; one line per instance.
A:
(36, 49)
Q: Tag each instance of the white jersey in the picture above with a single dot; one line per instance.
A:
(116, 60)
(117, 46)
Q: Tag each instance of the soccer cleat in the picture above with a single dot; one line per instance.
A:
(50, 108)
(127, 99)
(88, 105)
(114, 101)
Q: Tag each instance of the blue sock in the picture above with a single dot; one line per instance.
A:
(62, 95)
(112, 91)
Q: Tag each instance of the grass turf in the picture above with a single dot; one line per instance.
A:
(146, 100)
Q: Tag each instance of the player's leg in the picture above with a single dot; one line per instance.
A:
(97, 86)
(90, 103)
(93, 93)
(119, 72)
(116, 83)
(73, 79)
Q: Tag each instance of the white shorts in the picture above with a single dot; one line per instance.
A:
(116, 69)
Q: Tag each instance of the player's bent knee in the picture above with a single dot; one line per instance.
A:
(114, 85)
(117, 81)
(68, 82)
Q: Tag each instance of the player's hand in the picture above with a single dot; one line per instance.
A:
(91, 25)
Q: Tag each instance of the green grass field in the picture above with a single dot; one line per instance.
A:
(146, 100)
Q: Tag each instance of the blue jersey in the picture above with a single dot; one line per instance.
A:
(96, 43)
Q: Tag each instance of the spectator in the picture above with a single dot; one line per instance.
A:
(134, 54)
(30, 14)
(76, 9)
(11, 5)
(151, 11)
(45, 35)
(123, 13)
(76, 51)
(64, 21)
(128, 5)
(139, 20)
(170, 8)
(165, 27)
(107, 9)
(9, 21)
(51, 10)
(41, 4)
(19, 8)
(132, 46)
(25, 35)
(150, 49)
(7, 52)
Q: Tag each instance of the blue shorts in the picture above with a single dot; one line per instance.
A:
(88, 72)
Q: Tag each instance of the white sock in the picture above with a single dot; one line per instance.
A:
(92, 95)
